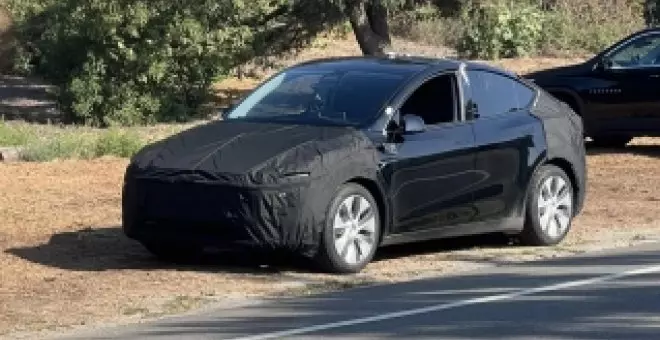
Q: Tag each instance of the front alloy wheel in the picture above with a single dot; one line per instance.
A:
(352, 231)
(549, 208)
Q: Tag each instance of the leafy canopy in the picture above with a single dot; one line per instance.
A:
(141, 61)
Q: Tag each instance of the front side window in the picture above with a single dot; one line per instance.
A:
(644, 51)
(434, 101)
(497, 94)
(312, 96)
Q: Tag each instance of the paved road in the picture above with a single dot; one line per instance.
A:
(609, 295)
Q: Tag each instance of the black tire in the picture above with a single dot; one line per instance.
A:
(328, 258)
(533, 233)
(610, 141)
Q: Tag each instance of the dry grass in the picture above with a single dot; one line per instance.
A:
(46, 142)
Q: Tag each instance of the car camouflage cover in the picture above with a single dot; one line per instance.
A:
(275, 195)
(563, 128)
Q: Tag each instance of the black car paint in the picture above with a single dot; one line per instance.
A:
(610, 101)
(485, 163)
(481, 166)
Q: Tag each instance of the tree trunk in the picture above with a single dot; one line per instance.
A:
(377, 15)
(651, 14)
(369, 22)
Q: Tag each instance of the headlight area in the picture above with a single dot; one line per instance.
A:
(216, 214)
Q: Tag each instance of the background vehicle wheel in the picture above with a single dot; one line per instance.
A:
(613, 141)
(352, 231)
(549, 208)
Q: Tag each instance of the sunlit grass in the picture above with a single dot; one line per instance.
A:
(45, 142)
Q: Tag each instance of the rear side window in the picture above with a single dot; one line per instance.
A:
(497, 94)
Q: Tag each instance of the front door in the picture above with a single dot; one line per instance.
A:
(431, 172)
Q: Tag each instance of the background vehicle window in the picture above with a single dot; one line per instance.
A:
(433, 101)
(496, 94)
(639, 52)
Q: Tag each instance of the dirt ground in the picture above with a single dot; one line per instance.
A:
(65, 262)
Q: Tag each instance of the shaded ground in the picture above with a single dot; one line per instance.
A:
(65, 262)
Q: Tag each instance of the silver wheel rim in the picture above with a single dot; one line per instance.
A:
(555, 204)
(354, 228)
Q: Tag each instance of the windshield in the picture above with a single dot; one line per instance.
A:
(319, 96)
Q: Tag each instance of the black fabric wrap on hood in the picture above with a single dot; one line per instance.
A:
(244, 176)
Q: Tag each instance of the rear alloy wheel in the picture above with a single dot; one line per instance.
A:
(549, 208)
(614, 141)
(352, 231)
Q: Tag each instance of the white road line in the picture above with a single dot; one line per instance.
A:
(462, 303)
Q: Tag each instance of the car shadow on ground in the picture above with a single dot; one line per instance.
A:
(488, 241)
(99, 249)
(107, 248)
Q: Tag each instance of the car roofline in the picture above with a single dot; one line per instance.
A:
(432, 62)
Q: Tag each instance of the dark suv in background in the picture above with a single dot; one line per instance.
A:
(617, 92)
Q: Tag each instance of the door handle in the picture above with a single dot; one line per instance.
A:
(655, 76)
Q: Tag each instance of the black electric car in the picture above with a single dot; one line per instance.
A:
(617, 92)
(333, 158)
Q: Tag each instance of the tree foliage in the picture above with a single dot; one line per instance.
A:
(133, 61)
(501, 29)
(141, 61)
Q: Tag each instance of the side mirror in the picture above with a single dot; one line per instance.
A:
(413, 124)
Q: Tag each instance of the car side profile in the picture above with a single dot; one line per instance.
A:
(617, 92)
(334, 158)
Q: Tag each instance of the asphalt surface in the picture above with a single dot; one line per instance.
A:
(608, 295)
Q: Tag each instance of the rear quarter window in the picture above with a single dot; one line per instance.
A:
(497, 94)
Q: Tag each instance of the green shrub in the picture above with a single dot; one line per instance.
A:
(60, 146)
(500, 29)
(511, 28)
(11, 135)
(79, 143)
(124, 62)
(119, 143)
(588, 26)
(44, 142)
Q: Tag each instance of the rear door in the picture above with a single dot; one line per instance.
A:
(506, 143)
